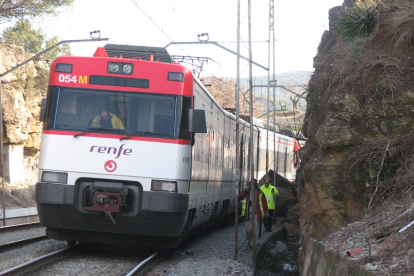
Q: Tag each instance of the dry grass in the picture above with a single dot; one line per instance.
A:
(397, 177)
(398, 22)
(377, 233)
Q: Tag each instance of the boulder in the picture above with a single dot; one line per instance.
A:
(292, 231)
(294, 214)
(280, 249)
(284, 201)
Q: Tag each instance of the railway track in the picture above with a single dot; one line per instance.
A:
(15, 244)
(55, 257)
(40, 261)
(19, 227)
(143, 266)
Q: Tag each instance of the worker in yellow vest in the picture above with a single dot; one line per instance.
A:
(261, 209)
(270, 192)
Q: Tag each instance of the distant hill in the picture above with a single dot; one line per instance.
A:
(293, 80)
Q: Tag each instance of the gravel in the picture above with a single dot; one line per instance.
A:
(17, 235)
(92, 264)
(211, 254)
(13, 257)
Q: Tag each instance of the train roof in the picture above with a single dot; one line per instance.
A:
(143, 52)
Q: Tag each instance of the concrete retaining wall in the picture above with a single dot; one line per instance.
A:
(318, 262)
(19, 216)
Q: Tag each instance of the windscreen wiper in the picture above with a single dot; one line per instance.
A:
(137, 133)
(94, 129)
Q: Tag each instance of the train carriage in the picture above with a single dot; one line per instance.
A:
(164, 164)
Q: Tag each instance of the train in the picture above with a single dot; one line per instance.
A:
(136, 151)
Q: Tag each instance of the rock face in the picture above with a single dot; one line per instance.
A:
(21, 92)
(361, 96)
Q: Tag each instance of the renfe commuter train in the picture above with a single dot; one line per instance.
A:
(166, 164)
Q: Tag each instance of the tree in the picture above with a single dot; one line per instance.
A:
(32, 40)
(223, 90)
(295, 100)
(11, 10)
(54, 53)
(22, 34)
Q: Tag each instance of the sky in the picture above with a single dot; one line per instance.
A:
(299, 25)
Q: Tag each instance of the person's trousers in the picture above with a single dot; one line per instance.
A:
(258, 230)
(268, 220)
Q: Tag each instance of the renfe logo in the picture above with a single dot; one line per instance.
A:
(110, 166)
(111, 150)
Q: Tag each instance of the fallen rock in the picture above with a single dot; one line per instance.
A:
(292, 231)
(293, 214)
(279, 249)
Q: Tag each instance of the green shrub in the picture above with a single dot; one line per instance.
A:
(359, 22)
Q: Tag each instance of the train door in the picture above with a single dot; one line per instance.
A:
(241, 160)
(285, 162)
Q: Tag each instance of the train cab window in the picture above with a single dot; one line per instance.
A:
(132, 114)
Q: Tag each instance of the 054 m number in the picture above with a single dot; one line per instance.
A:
(74, 79)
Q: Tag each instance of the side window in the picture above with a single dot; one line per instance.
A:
(186, 105)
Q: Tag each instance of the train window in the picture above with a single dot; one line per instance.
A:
(186, 105)
(136, 114)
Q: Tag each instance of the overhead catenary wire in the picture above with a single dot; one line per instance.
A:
(156, 25)
(182, 19)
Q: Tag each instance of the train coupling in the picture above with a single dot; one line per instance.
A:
(107, 197)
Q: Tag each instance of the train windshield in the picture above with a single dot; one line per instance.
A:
(130, 113)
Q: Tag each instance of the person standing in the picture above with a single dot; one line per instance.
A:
(270, 192)
(262, 210)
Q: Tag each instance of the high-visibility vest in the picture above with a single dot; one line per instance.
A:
(244, 204)
(116, 122)
(270, 197)
(261, 206)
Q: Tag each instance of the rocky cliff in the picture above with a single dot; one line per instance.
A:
(21, 94)
(359, 121)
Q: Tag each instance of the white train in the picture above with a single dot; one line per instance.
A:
(163, 164)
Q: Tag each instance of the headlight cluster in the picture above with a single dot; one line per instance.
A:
(55, 177)
(120, 68)
(161, 185)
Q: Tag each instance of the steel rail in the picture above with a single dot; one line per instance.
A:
(43, 260)
(14, 244)
(142, 266)
(19, 226)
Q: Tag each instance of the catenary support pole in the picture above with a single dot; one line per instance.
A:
(252, 184)
(268, 98)
(2, 159)
(272, 12)
(236, 197)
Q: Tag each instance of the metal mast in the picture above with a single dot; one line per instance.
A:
(236, 199)
(268, 91)
(252, 184)
(272, 29)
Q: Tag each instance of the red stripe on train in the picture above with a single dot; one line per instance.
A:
(117, 136)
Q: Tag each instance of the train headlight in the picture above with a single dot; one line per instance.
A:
(55, 177)
(120, 68)
(127, 68)
(161, 185)
(113, 67)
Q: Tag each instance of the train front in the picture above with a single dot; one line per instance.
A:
(116, 148)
